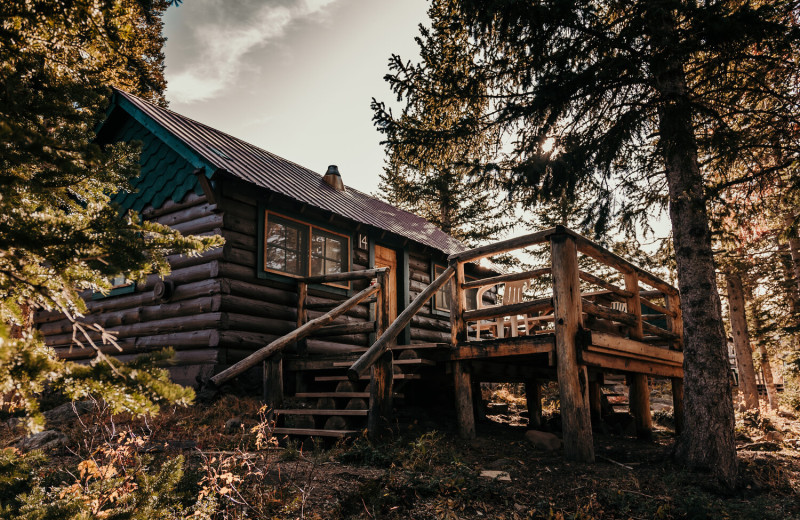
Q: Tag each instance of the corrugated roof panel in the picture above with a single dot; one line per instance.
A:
(261, 168)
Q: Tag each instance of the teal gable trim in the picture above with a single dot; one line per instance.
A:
(162, 133)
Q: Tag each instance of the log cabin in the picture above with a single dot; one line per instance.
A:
(345, 308)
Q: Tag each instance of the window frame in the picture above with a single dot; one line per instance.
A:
(434, 307)
(307, 230)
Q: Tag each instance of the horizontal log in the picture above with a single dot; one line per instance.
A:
(649, 328)
(257, 308)
(589, 277)
(182, 357)
(170, 206)
(240, 256)
(241, 240)
(608, 313)
(182, 261)
(194, 273)
(236, 321)
(430, 335)
(318, 346)
(520, 346)
(421, 322)
(632, 355)
(185, 214)
(420, 277)
(200, 225)
(346, 328)
(245, 226)
(296, 335)
(502, 246)
(513, 277)
(247, 340)
(259, 290)
(343, 277)
(420, 264)
(632, 346)
(178, 341)
(390, 334)
(360, 257)
(243, 211)
(509, 310)
(636, 366)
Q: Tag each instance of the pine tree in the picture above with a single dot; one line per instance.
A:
(640, 97)
(59, 231)
(439, 184)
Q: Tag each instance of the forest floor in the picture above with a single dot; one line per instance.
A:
(424, 472)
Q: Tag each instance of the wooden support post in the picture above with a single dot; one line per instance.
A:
(458, 335)
(464, 411)
(639, 398)
(379, 421)
(673, 303)
(595, 399)
(572, 385)
(477, 397)
(273, 381)
(302, 314)
(533, 395)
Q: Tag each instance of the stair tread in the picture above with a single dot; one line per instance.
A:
(311, 395)
(421, 346)
(314, 432)
(428, 362)
(366, 377)
(314, 411)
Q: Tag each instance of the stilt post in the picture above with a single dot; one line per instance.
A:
(572, 384)
(379, 421)
(673, 303)
(533, 395)
(461, 376)
(639, 398)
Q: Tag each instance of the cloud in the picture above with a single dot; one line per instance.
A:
(221, 33)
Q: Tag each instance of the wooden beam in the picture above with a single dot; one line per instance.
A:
(379, 422)
(520, 346)
(608, 313)
(639, 402)
(611, 341)
(533, 397)
(620, 364)
(302, 314)
(595, 399)
(508, 310)
(273, 381)
(502, 246)
(577, 429)
(293, 336)
(658, 308)
(345, 328)
(658, 331)
(382, 343)
(632, 355)
(513, 277)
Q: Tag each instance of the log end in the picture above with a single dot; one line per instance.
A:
(353, 375)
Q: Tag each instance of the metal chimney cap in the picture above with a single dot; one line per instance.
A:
(333, 179)
(333, 170)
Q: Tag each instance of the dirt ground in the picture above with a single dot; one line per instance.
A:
(425, 472)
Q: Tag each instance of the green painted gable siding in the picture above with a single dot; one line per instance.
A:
(165, 174)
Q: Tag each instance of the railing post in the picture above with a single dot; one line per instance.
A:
(379, 420)
(673, 303)
(458, 334)
(638, 391)
(302, 314)
(273, 381)
(572, 384)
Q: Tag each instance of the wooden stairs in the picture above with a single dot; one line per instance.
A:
(327, 404)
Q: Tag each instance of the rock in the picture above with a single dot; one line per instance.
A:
(501, 464)
(543, 440)
(45, 440)
(68, 411)
(496, 408)
(519, 508)
(773, 436)
(500, 476)
(786, 414)
(233, 424)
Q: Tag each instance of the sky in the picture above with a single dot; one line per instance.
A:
(294, 77)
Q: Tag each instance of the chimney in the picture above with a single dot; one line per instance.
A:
(333, 179)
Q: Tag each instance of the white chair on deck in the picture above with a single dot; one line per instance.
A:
(513, 293)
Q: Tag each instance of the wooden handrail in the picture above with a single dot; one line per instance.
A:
(295, 335)
(588, 277)
(502, 246)
(658, 308)
(346, 276)
(508, 310)
(377, 349)
(600, 311)
(512, 277)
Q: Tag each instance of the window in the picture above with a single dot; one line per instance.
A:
(284, 246)
(441, 300)
(327, 252)
(300, 249)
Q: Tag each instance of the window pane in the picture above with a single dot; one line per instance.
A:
(292, 238)
(318, 245)
(276, 259)
(317, 265)
(332, 266)
(335, 248)
(292, 262)
(276, 235)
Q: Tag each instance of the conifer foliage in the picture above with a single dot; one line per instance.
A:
(643, 100)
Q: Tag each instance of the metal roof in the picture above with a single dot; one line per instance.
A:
(262, 168)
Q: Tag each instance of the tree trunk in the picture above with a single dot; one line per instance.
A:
(766, 366)
(794, 251)
(741, 340)
(707, 442)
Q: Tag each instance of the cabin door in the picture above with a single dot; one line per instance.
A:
(385, 257)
